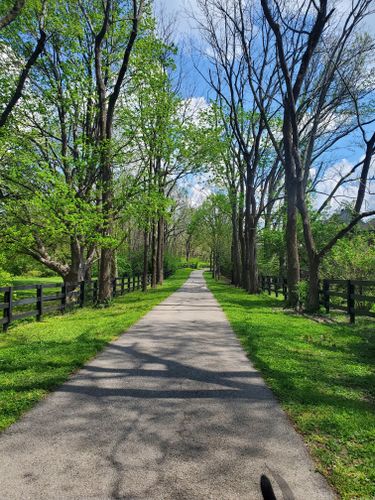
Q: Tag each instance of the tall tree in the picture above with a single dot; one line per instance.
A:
(162, 135)
(243, 123)
(309, 86)
(49, 172)
(114, 27)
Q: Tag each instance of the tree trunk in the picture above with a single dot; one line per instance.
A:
(88, 273)
(216, 273)
(241, 238)
(313, 293)
(106, 113)
(76, 272)
(236, 263)
(145, 261)
(73, 278)
(293, 267)
(314, 260)
(114, 267)
(105, 286)
(154, 256)
(160, 252)
(106, 256)
(188, 248)
(250, 270)
(252, 262)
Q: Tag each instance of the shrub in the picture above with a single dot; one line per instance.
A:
(351, 258)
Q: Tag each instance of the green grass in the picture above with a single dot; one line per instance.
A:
(322, 374)
(37, 357)
(25, 280)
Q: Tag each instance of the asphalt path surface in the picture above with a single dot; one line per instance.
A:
(171, 410)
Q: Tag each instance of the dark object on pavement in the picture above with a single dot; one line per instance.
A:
(266, 488)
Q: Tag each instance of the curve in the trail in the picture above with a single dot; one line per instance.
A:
(171, 410)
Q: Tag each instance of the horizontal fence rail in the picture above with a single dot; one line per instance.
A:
(37, 300)
(276, 284)
(354, 297)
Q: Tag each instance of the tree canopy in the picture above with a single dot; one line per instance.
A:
(111, 160)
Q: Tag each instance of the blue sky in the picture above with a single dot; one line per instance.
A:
(187, 36)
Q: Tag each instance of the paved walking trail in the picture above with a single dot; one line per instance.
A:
(171, 410)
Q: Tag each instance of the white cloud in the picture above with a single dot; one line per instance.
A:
(181, 11)
(192, 107)
(198, 194)
(347, 192)
(198, 189)
(196, 104)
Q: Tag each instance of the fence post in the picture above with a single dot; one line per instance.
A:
(285, 288)
(122, 284)
(326, 294)
(133, 282)
(144, 282)
(7, 314)
(351, 301)
(269, 284)
(82, 294)
(64, 292)
(138, 281)
(95, 291)
(276, 283)
(129, 283)
(39, 302)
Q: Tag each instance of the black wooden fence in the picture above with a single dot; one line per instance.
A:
(354, 297)
(276, 284)
(25, 301)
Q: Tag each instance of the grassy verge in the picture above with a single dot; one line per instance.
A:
(322, 374)
(25, 280)
(36, 357)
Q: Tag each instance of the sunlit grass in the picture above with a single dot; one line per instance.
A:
(323, 376)
(26, 280)
(36, 357)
